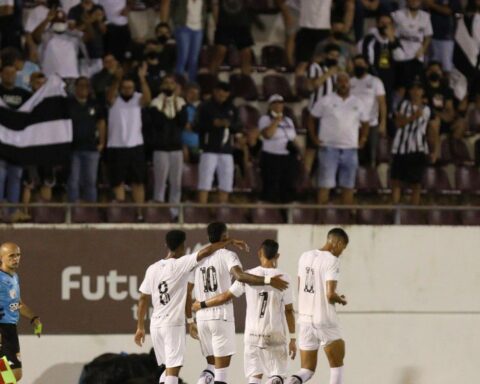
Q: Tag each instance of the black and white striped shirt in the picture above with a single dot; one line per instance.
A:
(314, 71)
(412, 138)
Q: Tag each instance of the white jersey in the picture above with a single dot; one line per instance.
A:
(125, 123)
(166, 281)
(315, 268)
(368, 89)
(211, 278)
(265, 324)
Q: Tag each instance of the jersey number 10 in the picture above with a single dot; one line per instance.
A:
(210, 283)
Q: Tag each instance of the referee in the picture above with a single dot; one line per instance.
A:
(11, 307)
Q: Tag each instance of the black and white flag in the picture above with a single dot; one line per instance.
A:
(40, 131)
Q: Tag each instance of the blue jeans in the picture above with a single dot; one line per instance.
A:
(335, 164)
(189, 44)
(83, 176)
(10, 182)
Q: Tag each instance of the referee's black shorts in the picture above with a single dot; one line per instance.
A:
(126, 165)
(9, 345)
(408, 168)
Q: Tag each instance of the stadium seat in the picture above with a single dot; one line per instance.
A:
(262, 215)
(304, 216)
(157, 215)
(243, 86)
(116, 213)
(301, 87)
(470, 217)
(467, 179)
(455, 151)
(231, 215)
(207, 82)
(205, 54)
(273, 57)
(196, 215)
(442, 217)
(273, 84)
(412, 217)
(190, 176)
(374, 217)
(334, 216)
(86, 215)
(383, 150)
(435, 180)
(367, 180)
(249, 116)
(48, 215)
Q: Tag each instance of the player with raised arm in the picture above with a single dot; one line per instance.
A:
(166, 284)
(269, 318)
(216, 327)
(318, 273)
(12, 307)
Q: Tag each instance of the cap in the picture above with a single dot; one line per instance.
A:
(276, 98)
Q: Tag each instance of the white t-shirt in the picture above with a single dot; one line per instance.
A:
(113, 10)
(60, 54)
(35, 17)
(166, 281)
(315, 14)
(125, 123)
(277, 144)
(340, 120)
(368, 89)
(315, 268)
(211, 278)
(194, 14)
(266, 324)
(412, 31)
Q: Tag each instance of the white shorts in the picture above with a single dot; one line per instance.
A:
(169, 345)
(271, 361)
(311, 338)
(219, 163)
(217, 337)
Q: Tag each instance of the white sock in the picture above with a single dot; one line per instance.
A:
(162, 377)
(302, 376)
(275, 380)
(206, 377)
(171, 380)
(336, 375)
(254, 380)
(221, 375)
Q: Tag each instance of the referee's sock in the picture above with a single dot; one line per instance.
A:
(221, 375)
(171, 379)
(302, 376)
(336, 375)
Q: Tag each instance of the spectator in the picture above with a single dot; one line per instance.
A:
(126, 157)
(415, 139)
(343, 11)
(383, 50)
(217, 122)
(35, 17)
(369, 9)
(117, 37)
(190, 139)
(442, 13)
(414, 30)
(89, 137)
(90, 19)
(60, 47)
(10, 31)
(279, 151)
(290, 10)
(102, 80)
(189, 18)
(168, 117)
(342, 116)
(371, 91)
(24, 67)
(233, 27)
(314, 27)
(11, 174)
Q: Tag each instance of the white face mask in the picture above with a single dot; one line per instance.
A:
(276, 114)
(59, 27)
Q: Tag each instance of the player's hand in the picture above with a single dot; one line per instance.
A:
(37, 327)
(343, 300)
(193, 331)
(277, 283)
(292, 349)
(240, 244)
(196, 306)
(140, 337)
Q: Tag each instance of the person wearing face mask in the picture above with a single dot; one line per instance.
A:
(60, 47)
(340, 38)
(371, 91)
(168, 118)
(382, 50)
(414, 30)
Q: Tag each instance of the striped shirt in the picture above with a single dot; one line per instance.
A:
(315, 71)
(412, 138)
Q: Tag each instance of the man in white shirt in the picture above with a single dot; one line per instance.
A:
(318, 274)
(118, 38)
(166, 284)
(269, 315)
(343, 129)
(371, 91)
(216, 327)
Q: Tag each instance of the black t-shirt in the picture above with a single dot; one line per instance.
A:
(84, 120)
(14, 97)
(234, 13)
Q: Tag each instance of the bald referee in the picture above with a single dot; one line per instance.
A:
(11, 307)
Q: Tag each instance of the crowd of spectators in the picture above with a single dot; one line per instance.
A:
(375, 70)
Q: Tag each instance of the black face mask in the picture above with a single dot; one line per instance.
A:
(382, 30)
(126, 98)
(434, 77)
(168, 92)
(331, 62)
(359, 71)
(162, 39)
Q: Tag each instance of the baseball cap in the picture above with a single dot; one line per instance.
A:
(276, 98)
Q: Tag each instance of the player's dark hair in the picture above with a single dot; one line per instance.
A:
(215, 231)
(175, 239)
(339, 233)
(270, 248)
